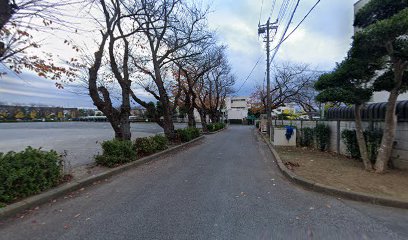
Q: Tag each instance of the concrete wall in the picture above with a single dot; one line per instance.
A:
(400, 152)
(237, 107)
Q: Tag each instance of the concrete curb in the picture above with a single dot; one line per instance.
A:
(75, 185)
(362, 197)
(210, 133)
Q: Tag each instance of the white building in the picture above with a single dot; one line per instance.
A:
(237, 108)
(383, 95)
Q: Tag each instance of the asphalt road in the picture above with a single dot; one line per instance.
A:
(80, 140)
(228, 187)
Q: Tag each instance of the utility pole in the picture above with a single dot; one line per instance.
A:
(261, 30)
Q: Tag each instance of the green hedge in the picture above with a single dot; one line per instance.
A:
(116, 152)
(373, 141)
(28, 172)
(317, 137)
(188, 134)
(322, 134)
(213, 127)
(307, 137)
(149, 145)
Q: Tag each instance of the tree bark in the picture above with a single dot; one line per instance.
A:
(6, 12)
(191, 118)
(360, 138)
(168, 125)
(387, 141)
(123, 130)
(203, 121)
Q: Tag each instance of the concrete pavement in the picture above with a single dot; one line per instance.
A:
(226, 188)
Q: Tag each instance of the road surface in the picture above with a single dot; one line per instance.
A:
(228, 187)
(80, 140)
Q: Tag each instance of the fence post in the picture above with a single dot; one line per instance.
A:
(338, 136)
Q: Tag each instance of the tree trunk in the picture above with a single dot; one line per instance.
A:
(360, 138)
(168, 125)
(203, 121)
(387, 141)
(6, 12)
(191, 118)
(124, 128)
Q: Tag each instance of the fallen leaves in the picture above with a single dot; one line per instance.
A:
(291, 165)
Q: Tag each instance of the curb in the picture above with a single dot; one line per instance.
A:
(74, 185)
(210, 133)
(361, 197)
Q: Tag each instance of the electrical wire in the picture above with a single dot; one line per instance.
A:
(304, 18)
(273, 8)
(284, 33)
(260, 14)
(250, 74)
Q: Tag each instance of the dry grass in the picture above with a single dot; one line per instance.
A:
(344, 173)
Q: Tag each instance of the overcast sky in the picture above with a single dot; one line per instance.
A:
(321, 41)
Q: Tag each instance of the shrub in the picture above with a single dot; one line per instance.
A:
(162, 142)
(213, 127)
(188, 134)
(307, 137)
(373, 141)
(28, 172)
(322, 135)
(116, 152)
(257, 124)
(149, 145)
(350, 140)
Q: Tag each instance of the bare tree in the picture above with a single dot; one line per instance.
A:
(212, 90)
(192, 70)
(167, 27)
(18, 19)
(115, 45)
(292, 83)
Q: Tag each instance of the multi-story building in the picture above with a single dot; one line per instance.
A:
(236, 109)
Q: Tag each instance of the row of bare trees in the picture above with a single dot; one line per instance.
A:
(161, 46)
(166, 48)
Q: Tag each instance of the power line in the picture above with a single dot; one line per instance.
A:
(283, 9)
(273, 8)
(256, 64)
(260, 14)
(304, 18)
(284, 33)
(297, 26)
(305, 70)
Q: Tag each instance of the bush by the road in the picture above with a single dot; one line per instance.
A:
(188, 134)
(213, 127)
(149, 145)
(28, 172)
(116, 152)
(322, 134)
(307, 137)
